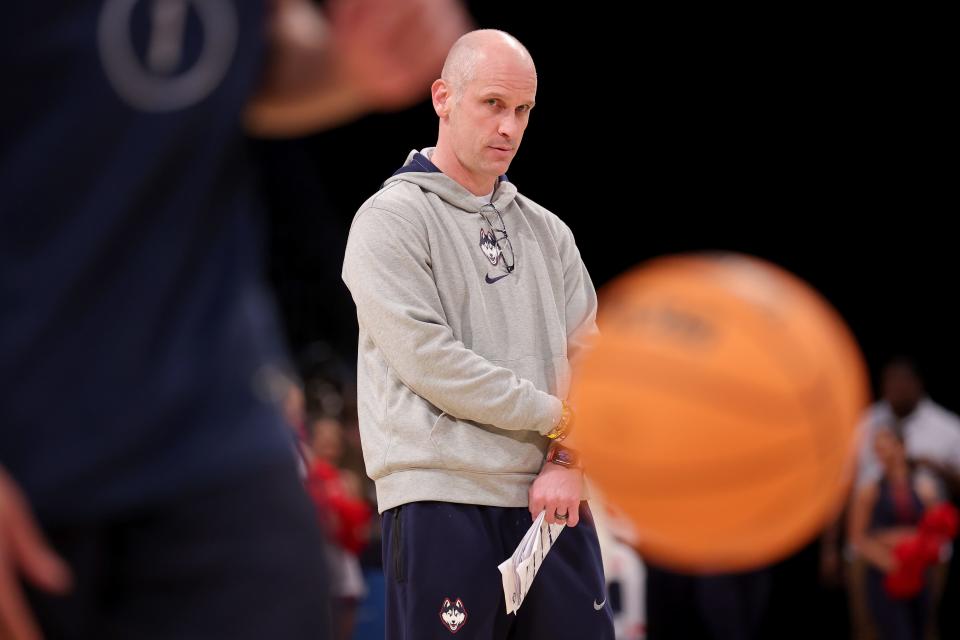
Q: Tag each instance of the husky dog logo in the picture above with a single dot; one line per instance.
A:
(454, 616)
(488, 243)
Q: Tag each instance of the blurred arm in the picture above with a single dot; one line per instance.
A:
(24, 553)
(363, 55)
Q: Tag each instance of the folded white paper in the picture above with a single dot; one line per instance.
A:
(519, 570)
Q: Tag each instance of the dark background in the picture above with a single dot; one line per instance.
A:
(818, 141)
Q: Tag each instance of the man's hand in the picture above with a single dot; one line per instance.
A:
(391, 51)
(557, 490)
(324, 69)
(23, 550)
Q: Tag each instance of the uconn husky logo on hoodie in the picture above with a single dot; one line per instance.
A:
(488, 243)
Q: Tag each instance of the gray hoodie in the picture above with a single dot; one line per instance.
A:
(462, 359)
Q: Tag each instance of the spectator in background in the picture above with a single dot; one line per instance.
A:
(931, 433)
(345, 517)
(931, 436)
(884, 513)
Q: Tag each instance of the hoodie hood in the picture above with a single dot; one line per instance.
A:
(420, 171)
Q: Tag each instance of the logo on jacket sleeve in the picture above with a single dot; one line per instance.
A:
(453, 616)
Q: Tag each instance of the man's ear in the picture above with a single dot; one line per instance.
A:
(442, 97)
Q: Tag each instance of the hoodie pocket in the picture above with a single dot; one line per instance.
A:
(468, 446)
(409, 422)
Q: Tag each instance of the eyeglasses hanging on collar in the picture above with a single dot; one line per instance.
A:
(500, 235)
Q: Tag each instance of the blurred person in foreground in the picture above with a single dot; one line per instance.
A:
(157, 496)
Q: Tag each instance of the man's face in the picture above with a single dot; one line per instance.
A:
(902, 389)
(486, 122)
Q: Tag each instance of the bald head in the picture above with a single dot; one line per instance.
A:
(473, 49)
(483, 101)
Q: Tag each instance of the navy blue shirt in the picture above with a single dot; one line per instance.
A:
(892, 510)
(135, 330)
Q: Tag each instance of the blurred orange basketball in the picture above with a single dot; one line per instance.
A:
(718, 410)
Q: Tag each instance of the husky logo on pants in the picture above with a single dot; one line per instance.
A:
(453, 615)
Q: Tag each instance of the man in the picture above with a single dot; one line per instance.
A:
(138, 347)
(472, 301)
(931, 433)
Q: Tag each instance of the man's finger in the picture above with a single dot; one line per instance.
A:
(573, 516)
(536, 506)
(16, 620)
(25, 548)
(552, 511)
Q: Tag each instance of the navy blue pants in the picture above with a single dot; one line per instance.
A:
(440, 561)
(238, 560)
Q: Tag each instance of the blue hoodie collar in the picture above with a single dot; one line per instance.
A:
(421, 164)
